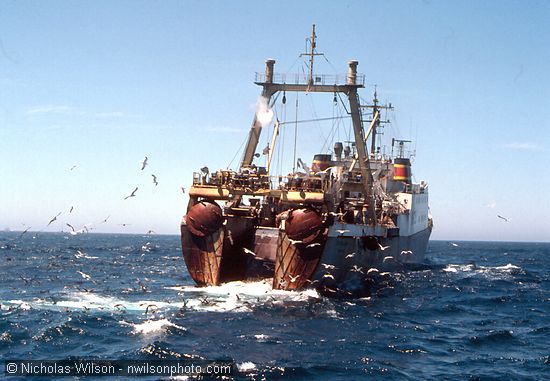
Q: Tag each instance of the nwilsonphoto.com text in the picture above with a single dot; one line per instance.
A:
(80, 367)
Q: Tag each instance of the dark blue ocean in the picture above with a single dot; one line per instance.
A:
(476, 310)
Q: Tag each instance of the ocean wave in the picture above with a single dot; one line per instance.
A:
(493, 337)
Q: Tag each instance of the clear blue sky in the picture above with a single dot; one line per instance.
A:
(101, 84)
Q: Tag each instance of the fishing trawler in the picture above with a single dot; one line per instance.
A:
(351, 215)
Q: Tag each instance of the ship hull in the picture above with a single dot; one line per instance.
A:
(348, 266)
(337, 261)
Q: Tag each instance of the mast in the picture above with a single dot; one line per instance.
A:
(311, 55)
(376, 110)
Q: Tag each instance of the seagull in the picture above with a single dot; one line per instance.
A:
(205, 170)
(342, 231)
(383, 247)
(155, 180)
(294, 242)
(119, 306)
(26, 280)
(84, 275)
(248, 251)
(330, 276)
(324, 171)
(143, 288)
(133, 194)
(24, 231)
(503, 218)
(71, 210)
(328, 267)
(150, 306)
(125, 224)
(105, 219)
(53, 219)
(144, 163)
(373, 270)
(349, 256)
(406, 252)
(71, 226)
(454, 244)
(229, 236)
(73, 167)
(357, 269)
(293, 278)
(313, 244)
(150, 231)
(182, 190)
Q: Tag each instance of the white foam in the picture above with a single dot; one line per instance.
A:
(15, 303)
(509, 266)
(229, 297)
(152, 326)
(246, 366)
(487, 270)
(239, 296)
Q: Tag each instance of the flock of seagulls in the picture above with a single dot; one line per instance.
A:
(86, 228)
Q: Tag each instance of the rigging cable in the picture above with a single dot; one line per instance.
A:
(295, 137)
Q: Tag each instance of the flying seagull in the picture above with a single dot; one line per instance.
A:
(503, 218)
(155, 180)
(182, 190)
(84, 275)
(26, 230)
(248, 251)
(357, 269)
(73, 167)
(133, 194)
(53, 219)
(313, 245)
(382, 247)
(144, 163)
(293, 278)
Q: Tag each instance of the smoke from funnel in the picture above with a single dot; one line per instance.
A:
(264, 114)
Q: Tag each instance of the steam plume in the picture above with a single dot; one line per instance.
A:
(264, 114)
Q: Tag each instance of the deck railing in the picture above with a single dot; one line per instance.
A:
(302, 79)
